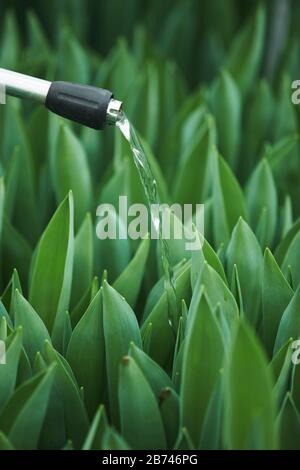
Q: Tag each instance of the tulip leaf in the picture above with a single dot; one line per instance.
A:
(248, 394)
(244, 252)
(86, 354)
(26, 410)
(228, 201)
(244, 57)
(144, 408)
(96, 432)
(199, 376)
(156, 376)
(226, 101)
(129, 282)
(51, 277)
(276, 295)
(289, 326)
(83, 260)
(289, 425)
(120, 329)
(9, 371)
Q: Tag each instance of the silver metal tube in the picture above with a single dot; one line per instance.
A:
(24, 86)
(113, 111)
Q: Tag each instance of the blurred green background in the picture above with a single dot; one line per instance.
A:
(195, 33)
(180, 67)
(208, 86)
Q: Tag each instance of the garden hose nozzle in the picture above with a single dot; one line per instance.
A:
(88, 105)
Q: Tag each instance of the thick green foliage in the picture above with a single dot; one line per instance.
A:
(92, 361)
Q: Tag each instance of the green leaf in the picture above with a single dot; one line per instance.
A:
(5, 444)
(152, 103)
(248, 394)
(146, 337)
(9, 371)
(112, 255)
(66, 333)
(37, 40)
(278, 360)
(289, 425)
(226, 101)
(129, 282)
(8, 296)
(162, 339)
(85, 301)
(181, 239)
(66, 417)
(120, 328)
(2, 202)
(228, 201)
(236, 289)
(10, 42)
(71, 172)
(24, 369)
(53, 434)
(34, 330)
(285, 243)
(286, 216)
(25, 206)
(286, 122)
(23, 416)
(217, 294)
(278, 153)
(112, 440)
(37, 129)
(155, 375)
(194, 165)
(169, 409)
(245, 54)
(289, 326)
(143, 409)
(86, 354)
(177, 366)
(16, 252)
(290, 260)
(83, 259)
(205, 254)
(245, 252)
(51, 276)
(199, 376)
(295, 382)
(94, 438)
(3, 327)
(182, 131)
(283, 382)
(11, 181)
(258, 121)
(211, 435)
(61, 332)
(184, 441)
(262, 196)
(117, 183)
(72, 59)
(276, 295)
(178, 350)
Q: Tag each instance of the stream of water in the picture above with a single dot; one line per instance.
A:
(150, 187)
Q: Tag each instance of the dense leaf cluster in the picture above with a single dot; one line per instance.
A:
(92, 361)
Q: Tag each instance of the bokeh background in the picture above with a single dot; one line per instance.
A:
(207, 83)
(195, 33)
(176, 65)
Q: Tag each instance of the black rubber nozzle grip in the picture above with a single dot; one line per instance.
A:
(84, 104)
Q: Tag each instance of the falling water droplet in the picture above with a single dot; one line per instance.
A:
(150, 188)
